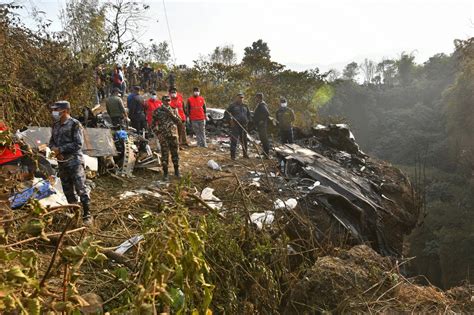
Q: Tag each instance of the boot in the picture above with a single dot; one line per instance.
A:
(86, 214)
(165, 173)
(176, 171)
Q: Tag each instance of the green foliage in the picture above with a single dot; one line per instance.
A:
(351, 71)
(36, 69)
(459, 99)
(423, 113)
(220, 80)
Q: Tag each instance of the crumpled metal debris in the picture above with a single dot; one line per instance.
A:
(97, 141)
(341, 185)
(125, 246)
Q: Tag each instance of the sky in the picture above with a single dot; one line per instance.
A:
(304, 34)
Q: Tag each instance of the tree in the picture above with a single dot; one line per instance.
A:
(160, 52)
(257, 55)
(406, 67)
(333, 75)
(459, 100)
(100, 33)
(368, 68)
(351, 71)
(224, 55)
(84, 28)
(386, 69)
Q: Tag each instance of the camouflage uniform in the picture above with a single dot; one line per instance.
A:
(68, 138)
(165, 119)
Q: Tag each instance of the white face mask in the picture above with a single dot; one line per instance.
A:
(56, 115)
(153, 97)
(196, 93)
(283, 104)
(173, 95)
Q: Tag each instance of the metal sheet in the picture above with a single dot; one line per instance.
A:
(97, 141)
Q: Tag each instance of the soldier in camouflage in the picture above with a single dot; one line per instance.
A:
(66, 143)
(164, 122)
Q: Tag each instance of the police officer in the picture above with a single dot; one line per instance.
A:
(285, 117)
(260, 119)
(238, 116)
(165, 120)
(136, 109)
(66, 143)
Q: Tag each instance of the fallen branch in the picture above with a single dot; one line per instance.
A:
(208, 207)
(40, 237)
(56, 249)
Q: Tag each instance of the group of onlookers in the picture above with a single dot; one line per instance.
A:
(122, 77)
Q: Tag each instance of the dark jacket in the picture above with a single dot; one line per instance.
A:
(261, 115)
(285, 117)
(68, 138)
(239, 112)
(136, 106)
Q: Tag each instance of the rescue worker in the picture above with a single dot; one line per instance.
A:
(196, 110)
(165, 120)
(238, 116)
(66, 143)
(115, 108)
(152, 104)
(178, 104)
(136, 109)
(285, 117)
(260, 120)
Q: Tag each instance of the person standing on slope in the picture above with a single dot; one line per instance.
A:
(238, 116)
(178, 104)
(196, 110)
(285, 117)
(260, 119)
(165, 120)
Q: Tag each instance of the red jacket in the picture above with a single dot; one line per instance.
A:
(151, 106)
(7, 154)
(178, 103)
(197, 108)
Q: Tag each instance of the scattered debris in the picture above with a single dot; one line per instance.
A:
(359, 202)
(290, 204)
(262, 218)
(125, 246)
(138, 192)
(213, 165)
(208, 196)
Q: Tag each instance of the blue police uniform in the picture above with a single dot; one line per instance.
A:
(68, 138)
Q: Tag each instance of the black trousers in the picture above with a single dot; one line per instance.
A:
(263, 136)
(286, 135)
(237, 133)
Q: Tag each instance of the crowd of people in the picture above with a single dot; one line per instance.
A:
(167, 118)
(123, 77)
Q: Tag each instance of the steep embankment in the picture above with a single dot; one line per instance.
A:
(239, 254)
